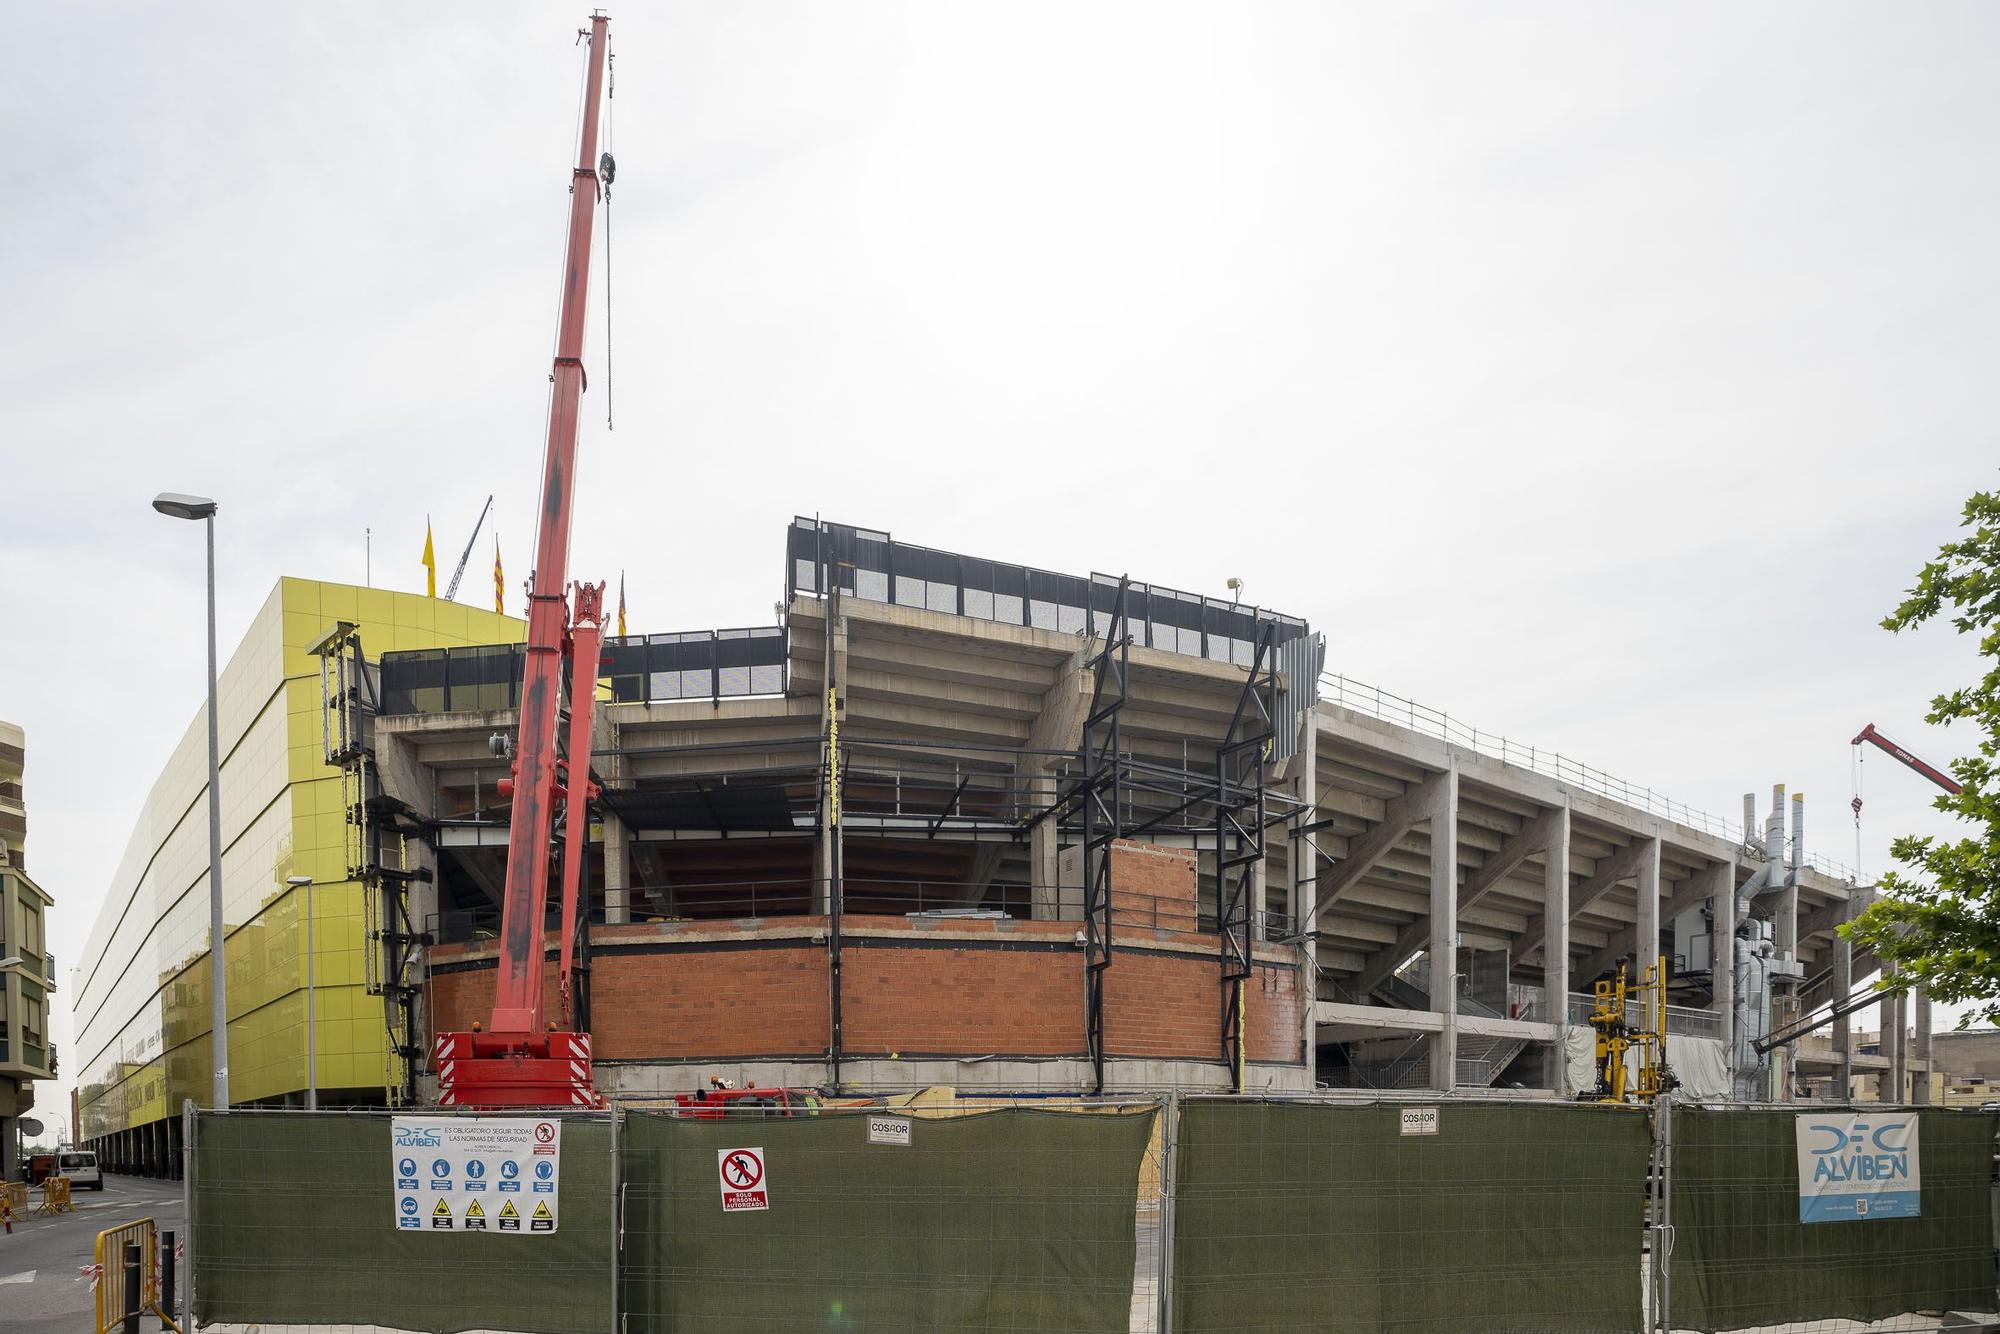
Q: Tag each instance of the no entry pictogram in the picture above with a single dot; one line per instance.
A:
(740, 1173)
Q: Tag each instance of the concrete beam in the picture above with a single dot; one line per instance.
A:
(1400, 816)
(1535, 836)
(1623, 864)
(1378, 1016)
(1686, 894)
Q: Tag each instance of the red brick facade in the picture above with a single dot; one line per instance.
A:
(760, 989)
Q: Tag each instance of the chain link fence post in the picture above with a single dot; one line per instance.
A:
(617, 1221)
(1663, 1214)
(1170, 1125)
(188, 1123)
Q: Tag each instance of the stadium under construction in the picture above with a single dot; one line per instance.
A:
(952, 821)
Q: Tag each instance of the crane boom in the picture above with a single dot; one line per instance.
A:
(1876, 739)
(451, 589)
(519, 1060)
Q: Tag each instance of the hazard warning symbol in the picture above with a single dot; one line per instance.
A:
(543, 1221)
(742, 1177)
(441, 1215)
(510, 1217)
(475, 1217)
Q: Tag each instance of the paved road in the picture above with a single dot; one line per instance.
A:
(40, 1290)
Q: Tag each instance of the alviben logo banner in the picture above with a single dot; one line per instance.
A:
(1859, 1165)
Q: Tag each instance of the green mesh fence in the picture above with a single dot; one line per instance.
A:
(295, 1223)
(1741, 1258)
(1292, 1216)
(1003, 1220)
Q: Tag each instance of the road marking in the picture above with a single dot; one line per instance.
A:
(27, 1276)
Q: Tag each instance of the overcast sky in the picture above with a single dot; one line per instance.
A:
(1598, 372)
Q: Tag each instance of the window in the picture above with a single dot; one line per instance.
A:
(31, 929)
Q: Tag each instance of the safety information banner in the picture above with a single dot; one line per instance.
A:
(475, 1173)
(1860, 1165)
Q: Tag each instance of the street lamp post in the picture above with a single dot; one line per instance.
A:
(176, 506)
(305, 882)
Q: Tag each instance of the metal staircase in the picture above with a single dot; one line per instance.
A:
(1481, 1060)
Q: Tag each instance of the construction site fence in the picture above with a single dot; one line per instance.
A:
(1181, 1212)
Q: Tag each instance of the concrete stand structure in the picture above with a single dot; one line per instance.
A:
(951, 821)
(1395, 838)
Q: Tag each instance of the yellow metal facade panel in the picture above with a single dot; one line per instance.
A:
(143, 1003)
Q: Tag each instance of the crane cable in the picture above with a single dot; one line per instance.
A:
(607, 169)
(1856, 782)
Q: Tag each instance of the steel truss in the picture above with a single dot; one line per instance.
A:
(376, 822)
(1240, 820)
(1101, 793)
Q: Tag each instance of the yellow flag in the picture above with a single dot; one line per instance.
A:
(499, 580)
(430, 562)
(621, 604)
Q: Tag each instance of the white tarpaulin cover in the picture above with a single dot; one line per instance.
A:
(1699, 1063)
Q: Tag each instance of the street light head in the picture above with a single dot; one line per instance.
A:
(177, 506)
(298, 881)
(11, 961)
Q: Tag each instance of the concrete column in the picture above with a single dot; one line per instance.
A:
(1260, 895)
(1044, 855)
(1647, 930)
(1843, 1027)
(1555, 950)
(1920, 1008)
(1305, 899)
(1722, 949)
(1894, 1026)
(1444, 930)
(1057, 727)
(617, 870)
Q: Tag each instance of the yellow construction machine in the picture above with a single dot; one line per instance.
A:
(1618, 1034)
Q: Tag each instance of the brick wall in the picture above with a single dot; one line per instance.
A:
(1154, 886)
(1163, 1005)
(1273, 1015)
(700, 1004)
(1016, 1002)
(720, 990)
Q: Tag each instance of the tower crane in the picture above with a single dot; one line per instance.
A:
(522, 1058)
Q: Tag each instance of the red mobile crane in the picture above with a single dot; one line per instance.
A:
(519, 1060)
(1876, 739)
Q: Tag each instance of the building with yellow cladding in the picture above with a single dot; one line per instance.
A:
(142, 994)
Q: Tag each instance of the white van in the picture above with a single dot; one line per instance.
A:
(80, 1166)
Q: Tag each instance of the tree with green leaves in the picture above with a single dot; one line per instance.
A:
(1937, 925)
